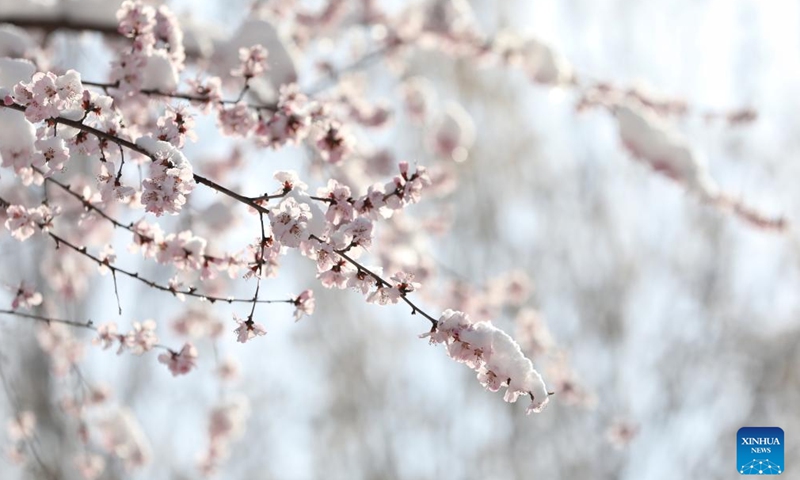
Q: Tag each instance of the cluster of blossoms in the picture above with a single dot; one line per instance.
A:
(180, 363)
(170, 180)
(22, 222)
(47, 95)
(183, 250)
(496, 357)
(157, 54)
(142, 338)
(26, 297)
(175, 126)
(43, 96)
(254, 62)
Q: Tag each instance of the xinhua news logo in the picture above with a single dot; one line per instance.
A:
(759, 451)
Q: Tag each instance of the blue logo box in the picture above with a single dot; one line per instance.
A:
(759, 451)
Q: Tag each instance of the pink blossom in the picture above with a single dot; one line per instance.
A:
(253, 62)
(290, 221)
(107, 335)
(175, 126)
(335, 143)
(290, 180)
(135, 18)
(142, 338)
(304, 304)
(373, 203)
(52, 151)
(108, 257)
(26, 297)
(237, 120)
(170, 180)
(340, 208)
(362, 281)
(22, 222)
(248, 329)
(404, 282)
(180, 363)
(384, 296)
(337, 276)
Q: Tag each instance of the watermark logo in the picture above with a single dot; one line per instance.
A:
(759, 451)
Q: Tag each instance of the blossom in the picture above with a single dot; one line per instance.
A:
(134, 18)
(404, 282)
(52, 151)
(253, 62)
(357, 233)
(237, 120)
(26, 297)
(289, 180)
(304, 304)
(47, 94)
(248, 329)
(337, 276)
(373, 203)
(290, 221)
(384, 296)
(107, 334)
(176, 125)
(171, 177)
(142, 338)
(335, 143)
(180, 363)
(340, 208)
(362, 281)
(107, 257)
(21, 221)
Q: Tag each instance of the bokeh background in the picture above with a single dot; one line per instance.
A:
(678, 319)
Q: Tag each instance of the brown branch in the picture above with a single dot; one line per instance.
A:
(382, 283)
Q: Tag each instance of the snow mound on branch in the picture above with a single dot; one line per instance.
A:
(14, 41)
(159, 73)
(13, 71)
(650, 139)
